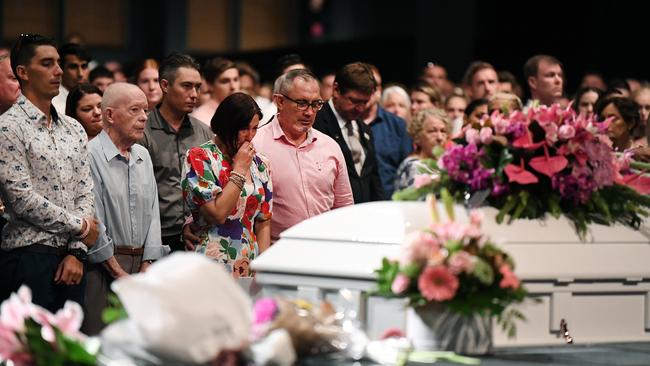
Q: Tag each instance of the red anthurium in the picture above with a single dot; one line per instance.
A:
(519, 174)
(638, 182)
(526, 142)
(548, 165)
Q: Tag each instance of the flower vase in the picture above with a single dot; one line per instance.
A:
(434, 327)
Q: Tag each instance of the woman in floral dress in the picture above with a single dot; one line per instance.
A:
(228, 188)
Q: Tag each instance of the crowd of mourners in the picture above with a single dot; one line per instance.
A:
(102, 173)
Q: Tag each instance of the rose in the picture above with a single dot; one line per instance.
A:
(501, 126)
(400, 283)
(461, 262)
(422, 180)
(566, 132)
(485, 135)
(417, 248)
(472, 136)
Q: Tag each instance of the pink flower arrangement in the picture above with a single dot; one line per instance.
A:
(452, 263)
(548, 160)
(20, 317)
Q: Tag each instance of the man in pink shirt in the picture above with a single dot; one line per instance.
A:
(308, 168)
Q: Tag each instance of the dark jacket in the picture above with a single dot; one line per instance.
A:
(367, 187)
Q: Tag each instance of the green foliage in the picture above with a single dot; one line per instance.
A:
(483, 272)
(385, 276)
(63, 352)
(115, 310)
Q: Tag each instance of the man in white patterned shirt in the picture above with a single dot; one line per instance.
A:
(45, 184)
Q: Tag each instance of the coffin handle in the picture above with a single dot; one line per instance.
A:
(564, 329)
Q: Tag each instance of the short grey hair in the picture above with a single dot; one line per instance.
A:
(395, 89)
(284, 83)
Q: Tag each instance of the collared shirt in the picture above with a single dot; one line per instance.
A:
(343, 125)
(126, 200)
(392, 146)
(307, 180)
(167, 149)
(59, 101)
(44, 176)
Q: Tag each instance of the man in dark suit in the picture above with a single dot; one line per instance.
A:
(341, 119)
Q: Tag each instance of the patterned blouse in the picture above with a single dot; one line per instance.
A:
(44, 177)
(406, 173)
(205, 173)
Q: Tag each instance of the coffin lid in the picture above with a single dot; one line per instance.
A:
(351, 241)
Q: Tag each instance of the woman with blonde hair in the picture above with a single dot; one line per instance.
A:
(424, 96)
(429, 128)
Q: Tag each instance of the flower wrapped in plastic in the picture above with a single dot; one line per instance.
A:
(313, 329)
(31, 335)
(453, 264)
(548, 160)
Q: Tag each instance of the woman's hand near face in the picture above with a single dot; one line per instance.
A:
(243, 158)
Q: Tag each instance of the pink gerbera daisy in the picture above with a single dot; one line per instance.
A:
(437, 283)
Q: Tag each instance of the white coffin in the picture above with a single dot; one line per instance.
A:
(601, 288)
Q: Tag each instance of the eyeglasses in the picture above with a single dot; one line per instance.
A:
(303, 104)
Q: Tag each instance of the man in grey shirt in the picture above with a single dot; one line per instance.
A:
(126, 199)
(169, 133)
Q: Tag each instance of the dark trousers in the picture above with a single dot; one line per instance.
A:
(98, 287)
(175, 242)
(36, 269)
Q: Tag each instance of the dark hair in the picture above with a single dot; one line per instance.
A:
(629, 111)
(287, 60)
(172, 63)
(25, 48)
(234, 114)
(615, 84)
(100, 72)
(73, 49)
(505, 76)
(215, 67)
(532, 65)
(356, 76)
(475, 104)
(582, 91)
(473, 68)
(75, 96)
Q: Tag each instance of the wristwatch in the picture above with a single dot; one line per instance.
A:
(80, 254)
(150, 261)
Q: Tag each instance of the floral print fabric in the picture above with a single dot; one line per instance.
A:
(205, 173)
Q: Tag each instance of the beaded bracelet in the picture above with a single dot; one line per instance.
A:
(84, 234)
(237, 179)
(236, 174)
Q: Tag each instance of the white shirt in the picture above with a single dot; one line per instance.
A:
(59, 101)
(344, 129)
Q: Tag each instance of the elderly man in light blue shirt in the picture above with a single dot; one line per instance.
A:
(126, 197)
